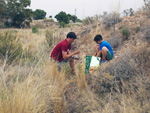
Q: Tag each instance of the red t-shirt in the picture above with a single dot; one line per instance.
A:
(57, 51)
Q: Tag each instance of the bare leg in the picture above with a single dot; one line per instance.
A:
(104, 53)
(72, 65)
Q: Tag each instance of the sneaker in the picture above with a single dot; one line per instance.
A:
(103, 62)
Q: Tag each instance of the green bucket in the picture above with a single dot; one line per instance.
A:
(87, 63)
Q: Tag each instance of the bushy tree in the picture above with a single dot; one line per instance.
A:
(18, 15)
(39, 14)
(73, 18)
(69, 16)
(62, 17)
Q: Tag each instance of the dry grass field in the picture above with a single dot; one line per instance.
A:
(31, 83)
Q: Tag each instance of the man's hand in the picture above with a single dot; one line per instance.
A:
(76, 57)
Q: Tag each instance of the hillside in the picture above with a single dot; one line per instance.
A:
(31, 83)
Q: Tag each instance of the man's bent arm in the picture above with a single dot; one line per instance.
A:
(65, 55)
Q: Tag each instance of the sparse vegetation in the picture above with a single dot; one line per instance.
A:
(34, 85)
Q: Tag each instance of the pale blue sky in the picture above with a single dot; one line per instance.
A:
(84, 8)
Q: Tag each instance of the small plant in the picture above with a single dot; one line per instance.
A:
(34, 30)
(137, 29)
(125, 33)
(10, 47)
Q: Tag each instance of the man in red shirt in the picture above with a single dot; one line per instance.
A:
(61, 52)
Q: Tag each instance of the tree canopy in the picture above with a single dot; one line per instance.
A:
(73, 18)
(64, 18)
(39, 14)
(16, 13)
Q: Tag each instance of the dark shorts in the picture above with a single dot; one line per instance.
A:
(109, 55)
(59, 64)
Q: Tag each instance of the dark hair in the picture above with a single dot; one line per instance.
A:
(98, 38)
(71, 35)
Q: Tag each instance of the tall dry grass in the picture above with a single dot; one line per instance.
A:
(43, 93)
(34, 85)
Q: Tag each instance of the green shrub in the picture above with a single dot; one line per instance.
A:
(137, 29)
(10, 47)
(125, 33)
(34, 30)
